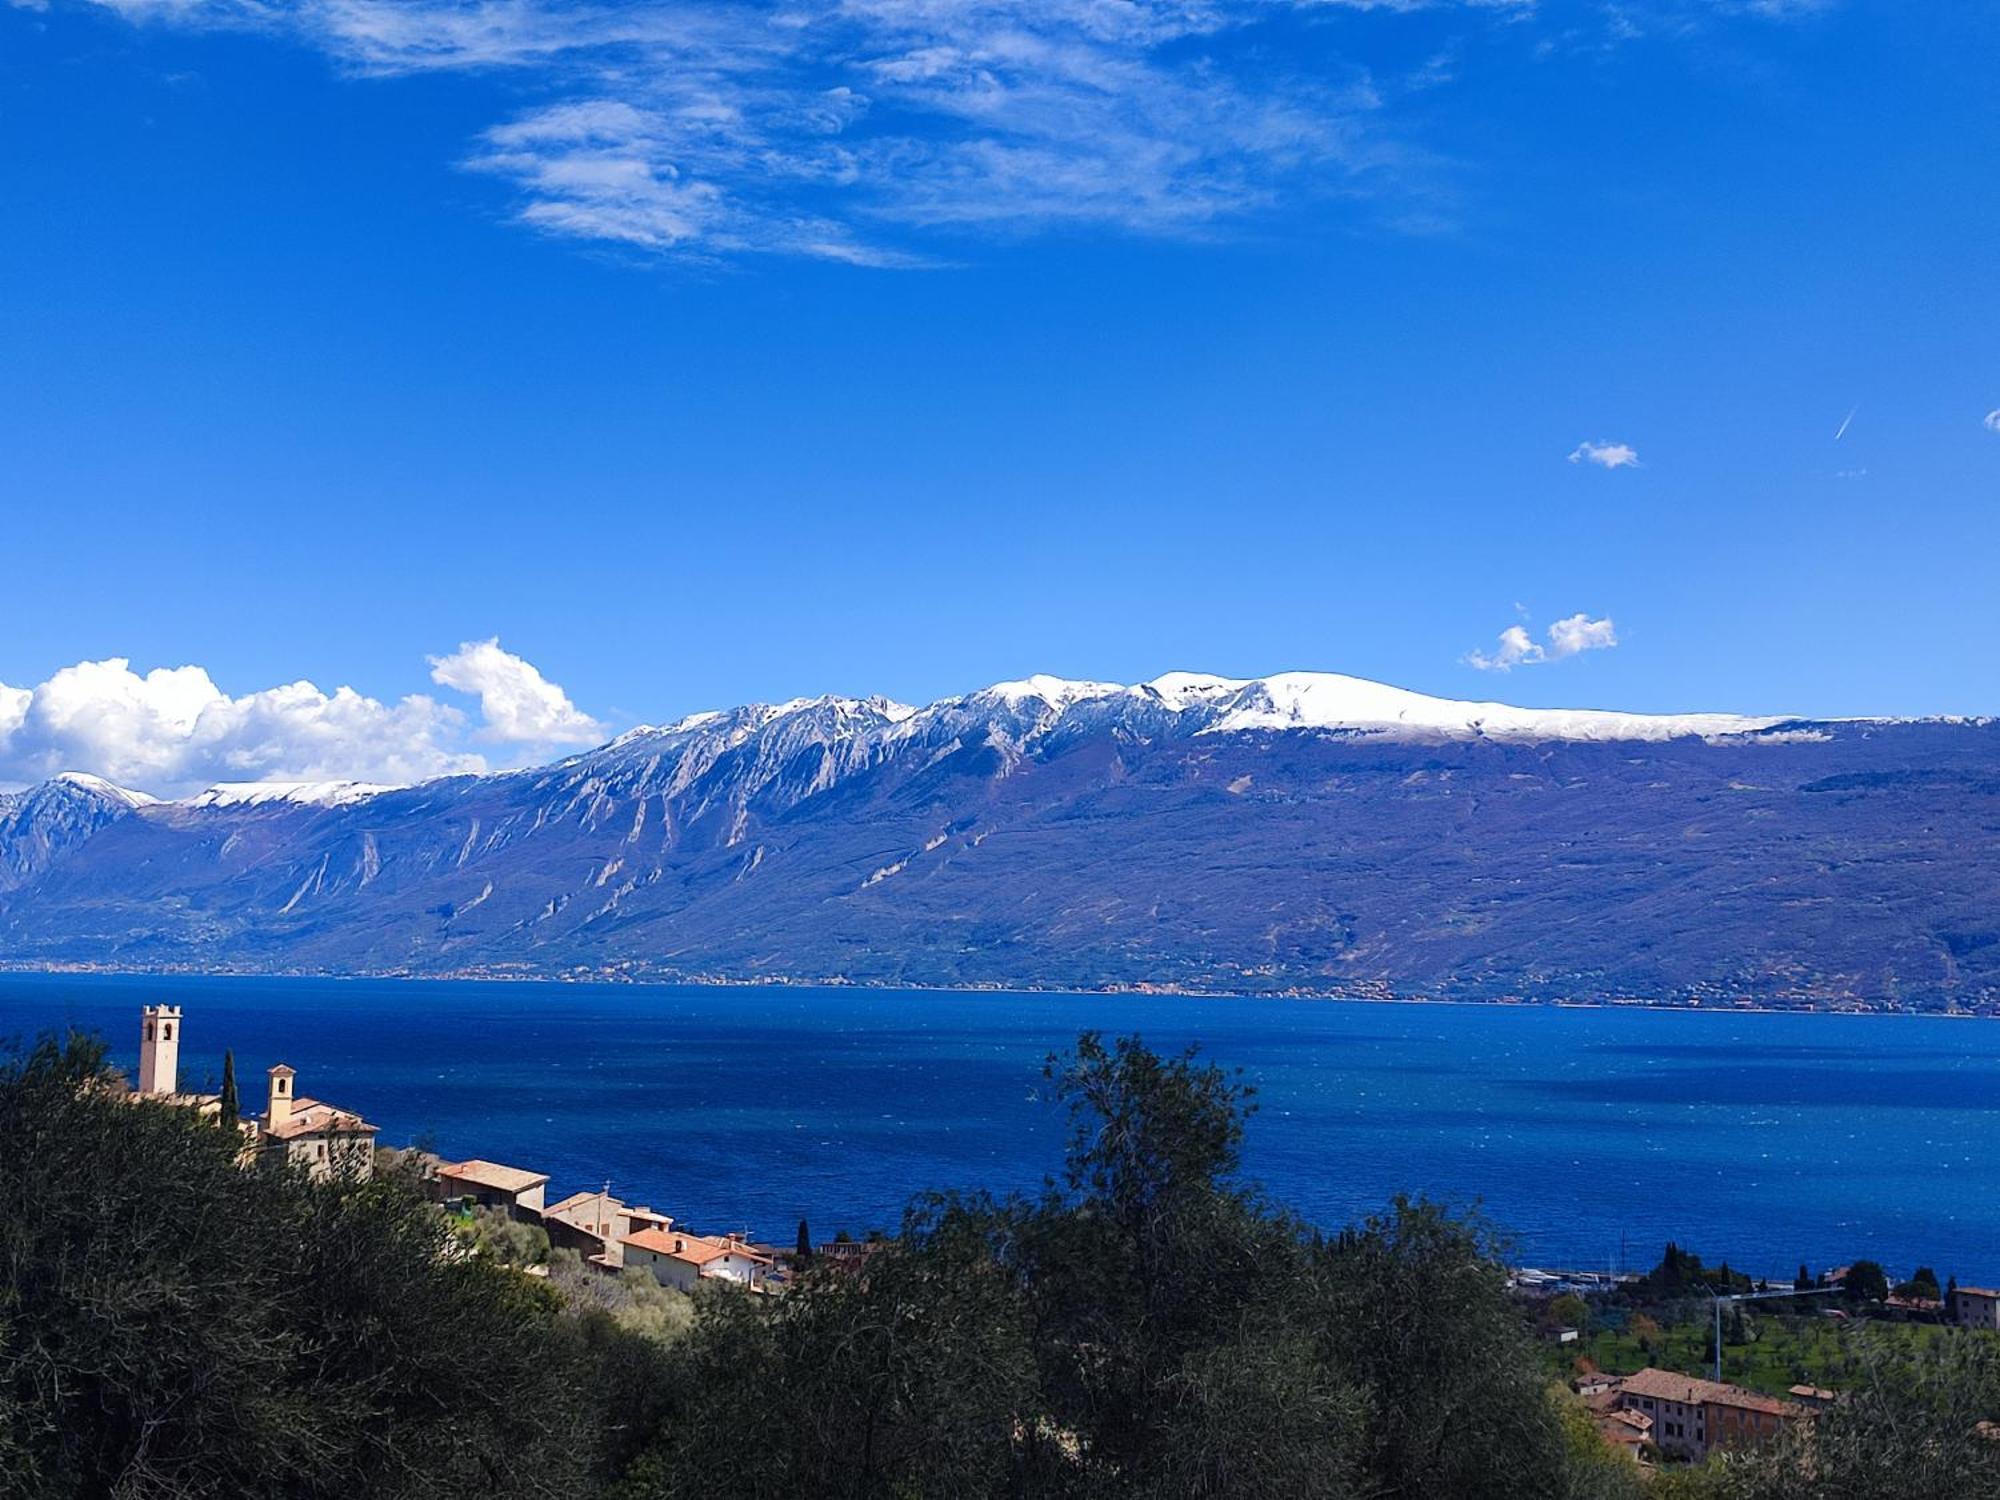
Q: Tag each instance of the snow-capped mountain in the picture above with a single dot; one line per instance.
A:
(42, 824)
(1302, 831)
(294, 793)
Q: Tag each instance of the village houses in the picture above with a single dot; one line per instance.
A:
(1975, 1307)
(596, 1225)
(682, 1260)
(1692, 1417)
(511, 1189)
(329, 1141)
(323, 1138)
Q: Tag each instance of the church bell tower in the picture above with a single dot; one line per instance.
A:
(160, 1049)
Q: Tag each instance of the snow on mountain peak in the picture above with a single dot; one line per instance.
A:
(298, 793)
(84, 781)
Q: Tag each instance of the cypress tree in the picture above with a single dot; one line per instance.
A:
(805, 1252)
(231, 1109)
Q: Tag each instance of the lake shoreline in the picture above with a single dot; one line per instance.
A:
(861, 986)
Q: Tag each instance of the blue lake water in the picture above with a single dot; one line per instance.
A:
(1768, 1139)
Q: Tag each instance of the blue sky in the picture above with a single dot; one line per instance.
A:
(713, 352)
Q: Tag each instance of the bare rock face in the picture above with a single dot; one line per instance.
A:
(1304, 832)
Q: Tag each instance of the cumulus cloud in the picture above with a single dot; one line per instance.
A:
(518, 704)
(172, 730)
(1567, 637)
(1606, 455)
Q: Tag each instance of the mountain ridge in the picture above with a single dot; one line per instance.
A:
(1298, 833)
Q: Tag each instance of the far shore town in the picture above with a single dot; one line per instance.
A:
(1651, 1414)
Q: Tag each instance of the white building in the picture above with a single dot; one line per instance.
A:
(159, 1050)
(682, 1260)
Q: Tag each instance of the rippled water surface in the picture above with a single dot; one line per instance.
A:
(1591, 1133)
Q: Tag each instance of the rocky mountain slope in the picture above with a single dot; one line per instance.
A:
(1304, 832)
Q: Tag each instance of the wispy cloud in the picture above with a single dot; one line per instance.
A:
(1991, 421)
(172, 729)
(1567, 637)
(869, 131)
(846, 129)
(1606, 455)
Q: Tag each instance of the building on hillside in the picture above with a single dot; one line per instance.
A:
(159, 1050)
(1975, 1307)
(1693, 1417)
(488, 1183)
(595, 1225)
(1624, 1430)
(682, 1260)
(160, 1062)
(323, 1138)
(1814, 1397)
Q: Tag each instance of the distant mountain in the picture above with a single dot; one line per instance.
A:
(41, 825)
(1302, 832)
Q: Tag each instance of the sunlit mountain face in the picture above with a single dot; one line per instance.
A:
(1305, 832)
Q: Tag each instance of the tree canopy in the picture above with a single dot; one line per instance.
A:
(1146, 1326)
(174, 1325)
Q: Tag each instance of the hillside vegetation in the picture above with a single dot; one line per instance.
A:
(1148, 1326)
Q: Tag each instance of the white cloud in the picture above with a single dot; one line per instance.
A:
(861, 130)
(846, 129)
(519, 705)
(1567, 637)
(1606, 455)
(1516, 646)
(1991, 422)
(1580, 633)
(172, 730)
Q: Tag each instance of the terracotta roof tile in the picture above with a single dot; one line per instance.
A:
(490, 1174)
(1691, 1390)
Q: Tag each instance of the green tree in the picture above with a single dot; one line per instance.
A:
(1923, 1285)
(1908, 1427)
(232, 1109)
(172, 1325)
(1569, 1311)
(1865, 1281)
(1147, 1327)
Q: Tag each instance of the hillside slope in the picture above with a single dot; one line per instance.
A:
(1309, 833)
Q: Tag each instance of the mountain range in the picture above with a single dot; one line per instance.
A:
(1306, 833)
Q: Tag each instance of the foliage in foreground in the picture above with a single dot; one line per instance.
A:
(1146, 1327)
(172, 1325)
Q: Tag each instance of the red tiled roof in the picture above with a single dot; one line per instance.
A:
(490, 1174)
(310, 1117)
(1691, 1390)
(695, 1249)
(690, 1248)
